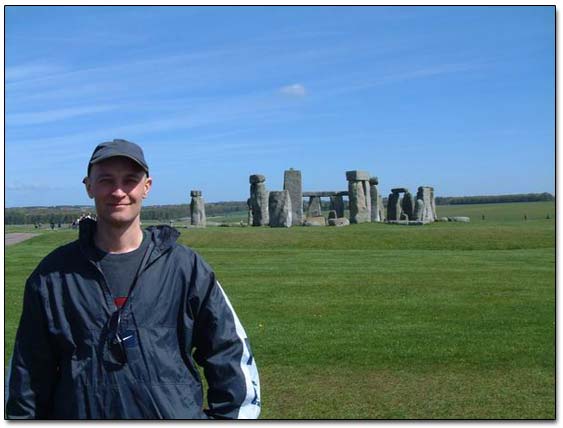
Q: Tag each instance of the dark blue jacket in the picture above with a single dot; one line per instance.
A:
(175, 314)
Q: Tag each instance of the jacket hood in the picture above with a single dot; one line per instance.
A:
(162, 237)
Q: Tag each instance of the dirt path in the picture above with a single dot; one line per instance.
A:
(14, 238)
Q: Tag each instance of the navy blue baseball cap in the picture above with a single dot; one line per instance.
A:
(118, 147)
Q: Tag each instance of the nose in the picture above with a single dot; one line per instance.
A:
(118, 192)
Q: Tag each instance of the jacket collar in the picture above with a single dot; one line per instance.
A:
(162, 237)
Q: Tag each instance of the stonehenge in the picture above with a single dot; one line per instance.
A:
(365, 203)
(197, 209)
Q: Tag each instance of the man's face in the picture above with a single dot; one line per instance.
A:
(118, 186)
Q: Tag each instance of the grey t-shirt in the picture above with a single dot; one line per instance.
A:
(120, 269)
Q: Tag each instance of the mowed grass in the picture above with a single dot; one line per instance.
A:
(448, 320)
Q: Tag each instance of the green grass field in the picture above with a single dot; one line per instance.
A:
(448, 320)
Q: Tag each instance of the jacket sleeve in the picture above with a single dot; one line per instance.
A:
(223, 350)
(33, 366)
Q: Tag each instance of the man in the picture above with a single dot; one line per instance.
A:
(114, 323)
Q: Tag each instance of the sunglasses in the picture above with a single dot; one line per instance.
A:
(116, 346)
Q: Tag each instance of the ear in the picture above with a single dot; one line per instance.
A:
(88, 186)
(148, 186)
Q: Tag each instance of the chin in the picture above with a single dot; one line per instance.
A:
(119, 219)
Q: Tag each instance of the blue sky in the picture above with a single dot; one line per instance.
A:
(459, 98)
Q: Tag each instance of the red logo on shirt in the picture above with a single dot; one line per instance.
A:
(120, 301)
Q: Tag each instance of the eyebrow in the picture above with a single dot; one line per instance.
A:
(109, 175)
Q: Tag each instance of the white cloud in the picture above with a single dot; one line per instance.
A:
(294, 90)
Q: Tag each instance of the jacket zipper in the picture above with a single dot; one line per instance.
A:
(108, 296)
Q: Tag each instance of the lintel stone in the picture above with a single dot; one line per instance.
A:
(257, 178)
(357, 175)
(400, 190)
(324, 194)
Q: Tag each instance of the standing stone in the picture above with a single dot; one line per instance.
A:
(381, 208)
(249, 203)
(359, 196)
(314, 209)
(376, 199)
(419, 210)
(407, 205)
(393, 207)
(279, 207)
(197, 209)
(426, 194)
(337, 204)
(433, 203)
(292, 183)
(259, 200)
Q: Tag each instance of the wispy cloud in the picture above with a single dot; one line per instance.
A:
(294, 90)
(36, 118)
(30, 187)
(353, 82)
(31, 71)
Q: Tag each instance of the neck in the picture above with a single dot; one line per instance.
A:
(113, 238)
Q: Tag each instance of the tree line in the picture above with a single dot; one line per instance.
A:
(165, 213)
(68, 214)
(494, 199)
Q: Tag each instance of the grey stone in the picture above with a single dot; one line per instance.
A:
(338, 222)
(442, 219)
(315, 221)
(257, 178)
(426, 194)
(357, 175)
(337, 204)
(279, 206)
(381, 208)
(197, 209)
(460, 219)
(249, 203)
(404, 216)
(407, 205)
(419, 210)
(259, 201)
(376, 199)
(359, 200)
(292, 183)
(314, 208)
(399, 190)
(332, 214)
(374, 181)
(325, 194)
(393, 207)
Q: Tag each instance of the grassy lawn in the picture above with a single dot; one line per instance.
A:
(448, 320)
